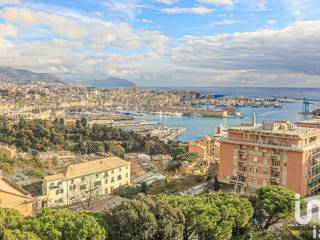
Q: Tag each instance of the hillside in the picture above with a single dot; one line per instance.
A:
(22, 76)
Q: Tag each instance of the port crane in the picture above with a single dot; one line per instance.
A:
(306, 107)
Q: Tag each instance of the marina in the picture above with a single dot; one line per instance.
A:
(197, 127)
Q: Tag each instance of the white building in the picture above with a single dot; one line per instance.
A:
(86, 180)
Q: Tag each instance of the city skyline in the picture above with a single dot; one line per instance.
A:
(165, 42)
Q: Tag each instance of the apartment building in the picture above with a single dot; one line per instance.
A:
(310, 123)
(86, 180)
(207, 149)
(278, 153)
(14, 197)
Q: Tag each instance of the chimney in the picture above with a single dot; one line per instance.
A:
(254, 119)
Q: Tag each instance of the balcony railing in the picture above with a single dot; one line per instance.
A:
(269, 143)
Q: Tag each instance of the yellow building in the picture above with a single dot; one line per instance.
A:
(84, 180)
(13, 196)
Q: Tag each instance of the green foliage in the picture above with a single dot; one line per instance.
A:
(216, 184)
(58, 224)
(128, 191)
(12, 224)
(272, 204)
(173, 186)
(144, 219)
(40, 135)
(212, 216)
(67, 224)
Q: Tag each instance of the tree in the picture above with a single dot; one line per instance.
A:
(145, 219)
(63, 224)
(12, 226)
(272, 204)
(216, 184)
(117, 150)
(84, 122)
(211, 216)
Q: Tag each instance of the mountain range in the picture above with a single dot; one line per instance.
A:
(22, 76)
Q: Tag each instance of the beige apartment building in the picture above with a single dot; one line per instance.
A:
(86, 180)
(278, 153)
(310, 123)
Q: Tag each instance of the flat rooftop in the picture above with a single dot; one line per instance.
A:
(289, 130)
(312, 121)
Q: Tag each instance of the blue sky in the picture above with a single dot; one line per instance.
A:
(166, 42)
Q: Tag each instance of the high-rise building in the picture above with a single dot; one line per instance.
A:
(278, 153)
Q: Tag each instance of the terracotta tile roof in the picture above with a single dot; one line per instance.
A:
(89, 168)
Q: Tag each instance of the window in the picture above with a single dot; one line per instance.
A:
(112, 171)
(120, 169)
(106, 174)
(255, 159)
(106, 181)
(119, 177)
(83, 187)
(265, 171)
(127, 175)
(112, 179)
(72, 187)
(51, 185)
(83, 179)
(97, 183)
(72, 181)
(59, 191)
(254, 180)
(97, 175)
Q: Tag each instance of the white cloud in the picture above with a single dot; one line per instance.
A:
(201, 10)
(7, 30)
(128, 9)
(290, 50)
(27, 17)
(144, 20)
(223, 23)
(217, 2)
(9, 2)
(168, 1)
(272, 22)
(299, 8)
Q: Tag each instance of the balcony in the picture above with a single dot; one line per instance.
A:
(262, 142)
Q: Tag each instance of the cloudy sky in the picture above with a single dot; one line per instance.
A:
(166, 42)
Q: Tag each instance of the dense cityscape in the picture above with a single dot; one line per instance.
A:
(66, 149)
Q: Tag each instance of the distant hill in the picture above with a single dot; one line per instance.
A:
(111, 82)
(9, 74)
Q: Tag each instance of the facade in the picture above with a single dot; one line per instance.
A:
(10, 150)
(86, 180)
(207, 149)
(14, 197)
(310, 123)
(278, 153)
